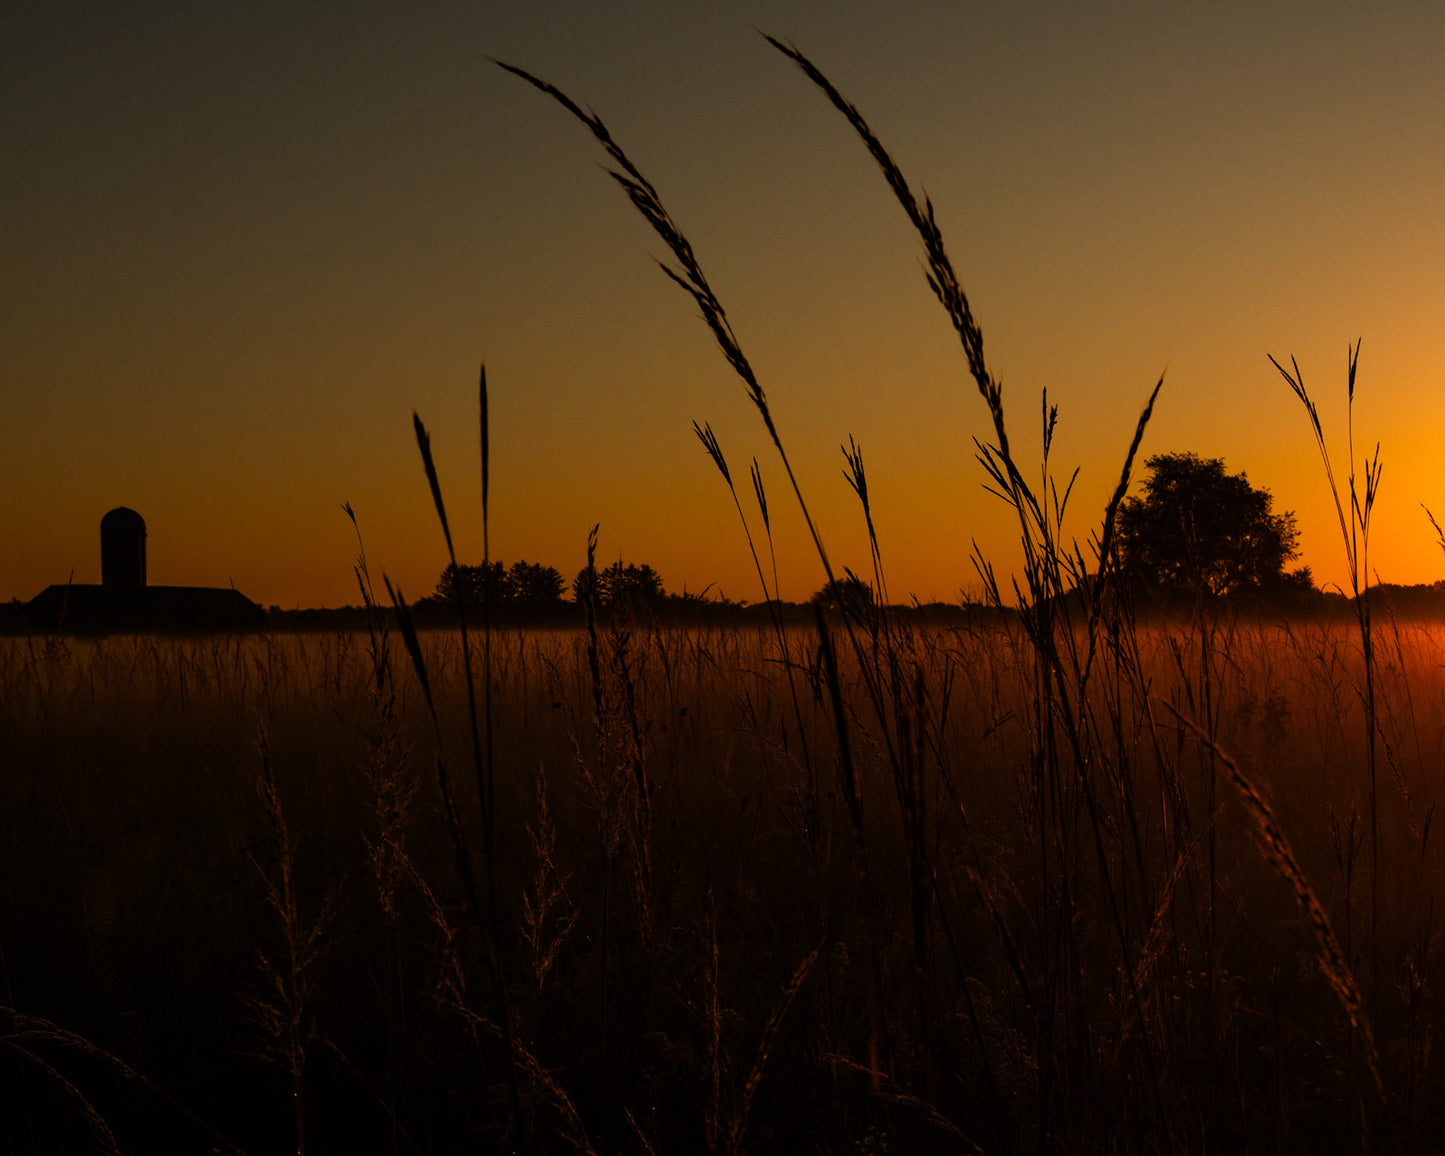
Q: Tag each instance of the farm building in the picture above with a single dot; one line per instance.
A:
(124, 602)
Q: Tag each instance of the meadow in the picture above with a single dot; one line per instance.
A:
(232, 894)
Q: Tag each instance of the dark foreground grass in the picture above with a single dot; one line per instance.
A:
(728, 979)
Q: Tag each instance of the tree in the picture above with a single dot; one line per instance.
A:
(528, 582)
(534, 583)
(473, 583)
(618, 585)
(849, 594)
(1198, 530)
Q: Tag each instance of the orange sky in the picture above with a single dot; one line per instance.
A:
(243, 242)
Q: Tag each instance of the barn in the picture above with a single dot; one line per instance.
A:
(124, 602)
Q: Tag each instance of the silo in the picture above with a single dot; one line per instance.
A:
(123, 548)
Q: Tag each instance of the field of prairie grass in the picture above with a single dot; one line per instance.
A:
(234, 914)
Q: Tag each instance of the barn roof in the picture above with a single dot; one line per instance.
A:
(106, 609)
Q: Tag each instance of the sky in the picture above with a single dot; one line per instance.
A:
(241, 243)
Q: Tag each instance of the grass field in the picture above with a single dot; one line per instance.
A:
(705, 946)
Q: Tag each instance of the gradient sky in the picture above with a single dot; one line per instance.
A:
(242, 242)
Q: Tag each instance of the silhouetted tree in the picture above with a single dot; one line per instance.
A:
(471, 583)
(524, 582)
(584, 585)
(1198, 530)
(850, 594)
(534, 583)
(621, 585)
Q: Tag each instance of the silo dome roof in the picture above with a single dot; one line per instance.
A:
(122, 518)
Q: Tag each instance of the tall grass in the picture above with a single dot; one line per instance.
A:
(700, 956)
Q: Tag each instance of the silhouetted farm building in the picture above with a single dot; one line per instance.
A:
(124, 602)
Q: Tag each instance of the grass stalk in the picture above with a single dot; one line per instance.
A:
(482, 754)
(1355, 532)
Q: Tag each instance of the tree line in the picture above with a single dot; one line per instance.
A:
(533, 584)
(634, 585)
(1194, 531)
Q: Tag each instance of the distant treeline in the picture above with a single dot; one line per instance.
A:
(533, 584)
(1423, 600)
(559, 610)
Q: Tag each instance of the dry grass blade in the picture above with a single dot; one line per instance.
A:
(486, 437)
(423, 443)
(377, 1098)
(543, 934)
(1439, 533)
(486, 759)
(375, 626)
(594, 654)
(1355, 531)
(36, 1029)
(1001, 932)
(479, 763)
(1277, 850)
(904, 1099)
(688, 275)
(762, 496)
(282, 1006)
(857, 478)
(99, 1128)
(1156, 941)
(840, 720)
(409, 639)
(765, 1049)
(712, 1110)
(942, 278)
(1111, 518)
(644, 197)
(854, 473)
(1296, 382)
(489, 927)
(647, 1148)
(555, 1094)
(444, 782)
(714, 450)
(1111, 512)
